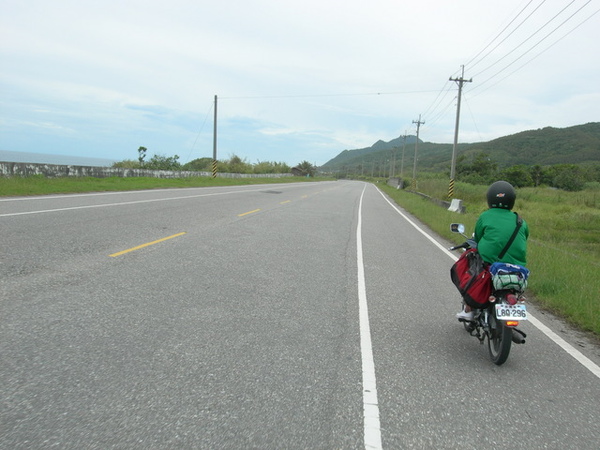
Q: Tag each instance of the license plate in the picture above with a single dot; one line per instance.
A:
(511, 312)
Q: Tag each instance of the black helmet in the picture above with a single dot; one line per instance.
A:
(501, 194)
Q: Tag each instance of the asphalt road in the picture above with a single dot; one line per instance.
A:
(230, 318)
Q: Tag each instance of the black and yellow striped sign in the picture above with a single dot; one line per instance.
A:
(451, 189)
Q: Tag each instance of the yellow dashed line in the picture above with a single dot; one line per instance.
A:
(146, 245)
(249, 212)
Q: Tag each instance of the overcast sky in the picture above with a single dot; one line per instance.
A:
(295, 80)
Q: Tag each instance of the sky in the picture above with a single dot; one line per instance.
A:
(295, 80)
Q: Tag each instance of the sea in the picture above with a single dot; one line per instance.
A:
(42, 158)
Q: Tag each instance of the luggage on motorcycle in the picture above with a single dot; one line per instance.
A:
(509, 276)
(470, 275)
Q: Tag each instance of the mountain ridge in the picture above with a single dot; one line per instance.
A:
(577, 144)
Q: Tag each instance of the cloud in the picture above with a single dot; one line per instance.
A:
(293, 78)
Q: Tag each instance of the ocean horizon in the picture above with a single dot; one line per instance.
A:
(63, 160)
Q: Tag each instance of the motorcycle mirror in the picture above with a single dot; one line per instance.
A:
(457, 228)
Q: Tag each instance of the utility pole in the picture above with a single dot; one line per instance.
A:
(214, 163)
(414, 180)
(402, 164)
(460, 82)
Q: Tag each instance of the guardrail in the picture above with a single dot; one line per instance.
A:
(455, 205)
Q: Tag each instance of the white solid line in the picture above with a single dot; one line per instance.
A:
(584, 360)
(133, 202)
(372, 427)
(254, 187)
(424, 233)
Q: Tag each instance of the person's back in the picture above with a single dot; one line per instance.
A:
(493, 230)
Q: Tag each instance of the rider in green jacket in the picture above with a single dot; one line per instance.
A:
(494, 229)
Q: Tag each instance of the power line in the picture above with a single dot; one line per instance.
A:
(500, 33)
(472, 116)
(436, 103)
(533, 58)
(201, 129)
(364, 94)
(435, 111)
(528, 38)
(441, 113)
(538, 43)
(433, 107)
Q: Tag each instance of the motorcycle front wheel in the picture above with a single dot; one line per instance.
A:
(499, 340)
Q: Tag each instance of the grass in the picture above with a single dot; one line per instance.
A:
(564, 243)
(40, 185)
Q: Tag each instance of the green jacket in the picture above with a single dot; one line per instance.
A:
(493, 230)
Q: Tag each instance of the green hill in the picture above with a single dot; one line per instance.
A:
(547, 146)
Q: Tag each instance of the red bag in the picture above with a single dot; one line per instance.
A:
(471, 276)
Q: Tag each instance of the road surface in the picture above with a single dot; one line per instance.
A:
(309, 315)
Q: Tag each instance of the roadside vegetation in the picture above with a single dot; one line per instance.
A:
(564, 243)
(40, 185)
(233, 164)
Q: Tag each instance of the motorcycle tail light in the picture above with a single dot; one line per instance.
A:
(511, 299)
(512, 323)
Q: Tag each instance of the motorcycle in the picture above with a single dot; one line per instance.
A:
(498, 321)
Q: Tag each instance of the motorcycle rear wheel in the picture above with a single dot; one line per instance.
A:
(499, 341)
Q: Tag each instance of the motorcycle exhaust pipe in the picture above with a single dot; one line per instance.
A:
(518, 337)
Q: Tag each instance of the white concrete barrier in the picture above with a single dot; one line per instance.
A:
(455, 205)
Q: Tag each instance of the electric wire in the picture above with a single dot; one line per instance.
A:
(472, 116)
(533, 58)
(481, 84)
(363, 94)
(201, 129)
(445, 89)
(529, 38)
(433, 106)
(439, 114)
(499, 34)
(433, 121)
(435, 112)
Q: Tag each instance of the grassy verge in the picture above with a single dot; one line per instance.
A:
(40, 185)
(564, 244)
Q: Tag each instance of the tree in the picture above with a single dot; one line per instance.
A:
(142, 154)
(126, 164)
(199, 165)
(483, 165)
(306, 169)
(161, 162)
(270, 167)
(537, 174)
(238, 165)
(481, 170)
(518, 176)
(569, 179)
